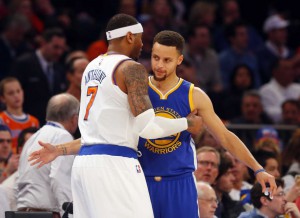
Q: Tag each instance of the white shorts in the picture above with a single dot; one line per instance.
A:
(105, 186)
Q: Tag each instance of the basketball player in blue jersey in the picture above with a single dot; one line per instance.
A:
(169, 162)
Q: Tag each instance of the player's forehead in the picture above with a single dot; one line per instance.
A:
(164, 51)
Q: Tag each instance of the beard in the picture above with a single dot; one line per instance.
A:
(159, 79)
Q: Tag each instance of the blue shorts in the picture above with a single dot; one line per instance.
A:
(174, 196)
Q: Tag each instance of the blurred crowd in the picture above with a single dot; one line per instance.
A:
(244, 54)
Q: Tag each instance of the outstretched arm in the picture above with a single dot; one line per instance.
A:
(50, 152)
(227, 139)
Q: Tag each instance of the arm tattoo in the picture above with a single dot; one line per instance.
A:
(136, 81)
(63, 149)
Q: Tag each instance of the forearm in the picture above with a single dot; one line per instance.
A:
(150, 126)
(236, 147)
(69, 148)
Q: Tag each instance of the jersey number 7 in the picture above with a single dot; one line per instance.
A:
(92, 90)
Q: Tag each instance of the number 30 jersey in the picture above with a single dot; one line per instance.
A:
(105, 116)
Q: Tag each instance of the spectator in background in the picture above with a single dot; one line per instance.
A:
(275, 47)
(208, 201)
(162, 14)
(227, 208)
(281, 87)
(8, 162)
(228, 103)
(75, 69)
(12, 41)
(40, 73)
(25, 8)
(187, 71)
(252, 110)
(264, 206)
(148, 35)
(12, 95)
(230, 13)
(203, 58)
(268, 160)
(291, 157)
(8, 185)
(267, 139)
(238, 53)
(205, 138)
(208, 161)
(47, 188)
(290, 112)
(203, 12)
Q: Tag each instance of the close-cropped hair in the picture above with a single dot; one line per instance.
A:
(4, 82)
(119, 21)
(49, 33)
(62, 107)
(170, 38)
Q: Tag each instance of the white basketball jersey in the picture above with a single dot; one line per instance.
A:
(105, 116)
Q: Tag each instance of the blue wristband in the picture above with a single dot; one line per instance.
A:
(258, 171)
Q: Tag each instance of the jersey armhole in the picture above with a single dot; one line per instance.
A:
(191, 100)
(114, 71)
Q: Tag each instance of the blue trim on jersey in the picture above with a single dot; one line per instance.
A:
(173, 155)
(17, 119)
(107, 149)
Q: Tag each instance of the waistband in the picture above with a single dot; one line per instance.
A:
(168, 178)
(107, 149)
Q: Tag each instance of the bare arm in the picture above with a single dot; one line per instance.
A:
(136, 82)
(50, 152)
(226, 138)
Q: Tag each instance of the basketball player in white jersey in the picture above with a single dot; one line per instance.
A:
(115, 109)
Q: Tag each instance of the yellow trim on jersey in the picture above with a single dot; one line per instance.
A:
(191, 100)
(162, 96)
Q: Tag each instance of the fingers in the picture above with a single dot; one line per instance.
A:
(34, 155)
(273, 186)
(43, 144)
(263, 186)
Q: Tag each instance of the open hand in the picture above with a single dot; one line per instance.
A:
(43, 156)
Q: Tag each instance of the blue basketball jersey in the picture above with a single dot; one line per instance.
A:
(175, 154)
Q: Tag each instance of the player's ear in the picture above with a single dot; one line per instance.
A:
(130, 37)
(180, 59)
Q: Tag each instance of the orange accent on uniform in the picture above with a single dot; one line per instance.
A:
(16, 126)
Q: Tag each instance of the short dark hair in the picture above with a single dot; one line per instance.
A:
(230, 30)
(49, 33)
(170, 38)
(119, 21)
(225, 164)
(262, 156)
(21, 137)
(256, 193)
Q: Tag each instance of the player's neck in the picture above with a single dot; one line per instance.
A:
(15, 111)
(167, 84)
(112, 49)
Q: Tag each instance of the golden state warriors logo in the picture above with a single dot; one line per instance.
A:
(167, 144)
